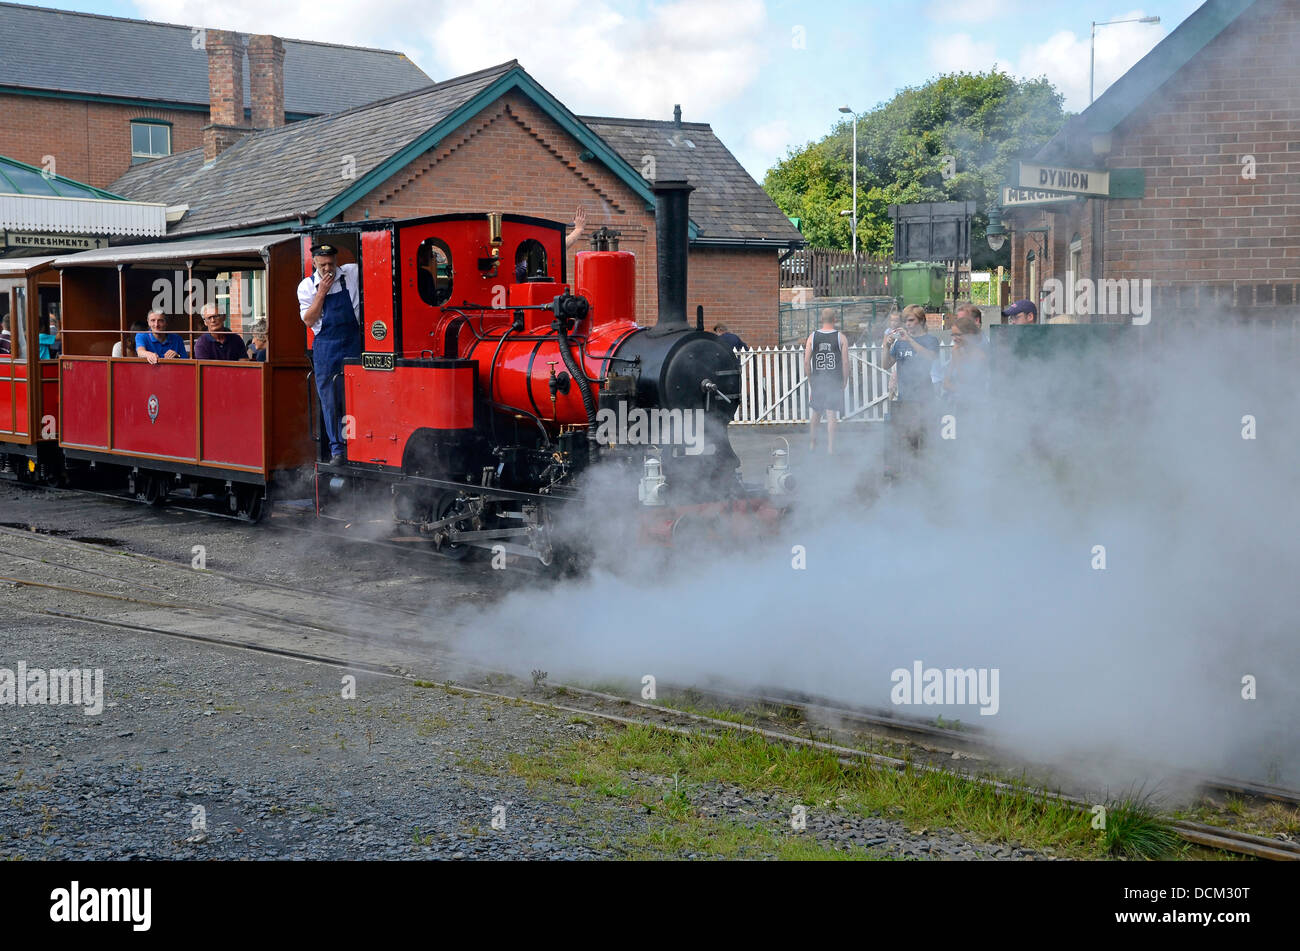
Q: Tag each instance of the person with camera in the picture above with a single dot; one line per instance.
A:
(912, 350)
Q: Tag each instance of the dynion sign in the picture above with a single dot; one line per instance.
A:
(1072, 181)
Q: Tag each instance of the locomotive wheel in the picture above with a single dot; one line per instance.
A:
(150, 489)
(249, 502)
(448, 504)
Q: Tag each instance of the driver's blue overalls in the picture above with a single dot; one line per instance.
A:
(338, 339)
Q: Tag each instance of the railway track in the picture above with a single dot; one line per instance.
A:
(608, 707)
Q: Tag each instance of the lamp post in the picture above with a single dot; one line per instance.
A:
(1092, 47)
(857, 284)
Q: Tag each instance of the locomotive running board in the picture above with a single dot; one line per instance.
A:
(398, 478)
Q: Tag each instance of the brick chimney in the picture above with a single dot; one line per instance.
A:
(225, 93)
(266, 80)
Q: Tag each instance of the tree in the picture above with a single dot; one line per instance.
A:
(984, 121)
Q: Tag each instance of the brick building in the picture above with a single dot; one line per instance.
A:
(86, 96)
(1201, 140)
(493, 140)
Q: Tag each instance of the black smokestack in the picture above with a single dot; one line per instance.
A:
(672, 219)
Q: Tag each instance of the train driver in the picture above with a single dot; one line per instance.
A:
(329, 302)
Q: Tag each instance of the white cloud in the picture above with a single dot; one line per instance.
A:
(958, 52)
(1063, 58)
(769, 137)
(762, 146)
(597, 56)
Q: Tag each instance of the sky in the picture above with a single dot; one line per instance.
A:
(768, 75)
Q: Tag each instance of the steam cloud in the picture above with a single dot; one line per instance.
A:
(983, 557)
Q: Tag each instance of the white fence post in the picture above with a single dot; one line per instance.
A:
(774, 391)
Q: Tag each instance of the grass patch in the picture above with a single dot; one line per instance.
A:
(920, 800)
(728, 840)
(1136, 831)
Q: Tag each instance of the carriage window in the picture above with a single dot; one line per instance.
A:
(433, 272)
(18, 324)
(530, 261)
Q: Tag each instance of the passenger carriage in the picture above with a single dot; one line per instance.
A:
(29, 288)
(232, 429)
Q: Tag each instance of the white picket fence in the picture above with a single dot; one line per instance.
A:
(774, 390)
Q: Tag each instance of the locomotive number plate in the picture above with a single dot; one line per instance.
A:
(376, 361)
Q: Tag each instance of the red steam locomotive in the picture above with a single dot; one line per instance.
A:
(492, 394)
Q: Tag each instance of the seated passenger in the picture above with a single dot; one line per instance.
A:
(5, 343)
(122, 347)
(218, 343)
(257, 349)
(159, 343)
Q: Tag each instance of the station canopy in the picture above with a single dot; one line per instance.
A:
(42, 212)
(206, 250)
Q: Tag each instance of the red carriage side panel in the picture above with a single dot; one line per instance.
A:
(154, 408)
(13, 398)
(83, 417)
(49, 405)
(232, 414)
(388, 406)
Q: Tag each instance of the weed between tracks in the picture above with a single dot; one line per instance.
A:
(623, 763)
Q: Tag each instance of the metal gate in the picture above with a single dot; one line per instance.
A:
(774, 390)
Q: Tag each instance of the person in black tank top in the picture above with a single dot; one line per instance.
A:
(826, 363)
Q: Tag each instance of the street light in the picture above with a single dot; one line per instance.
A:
(995, 233)
(849, 111)
(1092, 46)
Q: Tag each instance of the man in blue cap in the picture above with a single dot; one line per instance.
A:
(1021, 312)
(330, 302)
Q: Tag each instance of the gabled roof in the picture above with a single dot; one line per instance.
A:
(301, 169)
(1143, 80)
(728, 206)
(298, 172)
(103, 57)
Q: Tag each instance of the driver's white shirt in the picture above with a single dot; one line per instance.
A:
(307, 292)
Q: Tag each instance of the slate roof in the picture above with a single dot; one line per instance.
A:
(279, 174)
(296, 171)
(727, 204)
(90, 54)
